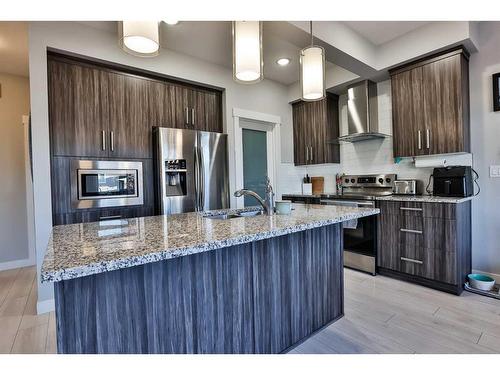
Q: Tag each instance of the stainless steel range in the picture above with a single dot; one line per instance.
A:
(360, 236)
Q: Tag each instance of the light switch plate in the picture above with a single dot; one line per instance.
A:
(495, 171)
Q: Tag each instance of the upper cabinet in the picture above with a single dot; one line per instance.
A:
(430, 106)
(101, 112)
(78, 110)
(315, 128)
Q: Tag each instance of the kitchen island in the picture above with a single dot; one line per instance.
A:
(190, 283)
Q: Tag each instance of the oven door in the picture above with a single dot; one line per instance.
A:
(98, 184)
(360, 242)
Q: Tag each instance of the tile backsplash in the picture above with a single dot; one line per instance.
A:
(374, 156)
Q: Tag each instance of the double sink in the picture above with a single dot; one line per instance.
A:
(233, 215)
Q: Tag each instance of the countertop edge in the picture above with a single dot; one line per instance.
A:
(425, 199)
(113, 265)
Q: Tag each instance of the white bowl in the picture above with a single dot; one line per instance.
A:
(481, 282)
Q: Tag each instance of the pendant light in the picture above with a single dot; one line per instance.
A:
(312, 71)
(140, 38)
(247, 51)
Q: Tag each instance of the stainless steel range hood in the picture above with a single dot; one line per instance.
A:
(362, 113)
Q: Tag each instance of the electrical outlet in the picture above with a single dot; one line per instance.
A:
(495, 171)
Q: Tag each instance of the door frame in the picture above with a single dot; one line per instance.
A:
(263, 122)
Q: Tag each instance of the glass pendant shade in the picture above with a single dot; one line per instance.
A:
(247, 51)
(140, 38)
(312, 73)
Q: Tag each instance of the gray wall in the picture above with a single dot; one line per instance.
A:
(267, 97)
(485, 133)
(14, 103)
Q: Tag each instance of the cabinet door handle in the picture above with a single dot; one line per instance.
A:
(428, 138)
(411, 231)
(412, 260)
(192, 116)
(307, 154)
(410, 209)
(419, 139)
(186, 112)
(311, 153)
(103, 139)
(112, 139)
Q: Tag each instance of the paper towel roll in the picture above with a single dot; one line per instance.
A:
(430, 162)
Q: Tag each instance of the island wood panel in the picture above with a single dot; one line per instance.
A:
(259, 297)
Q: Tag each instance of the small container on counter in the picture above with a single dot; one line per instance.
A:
(283, 207)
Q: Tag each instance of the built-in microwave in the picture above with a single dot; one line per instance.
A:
(98, 183)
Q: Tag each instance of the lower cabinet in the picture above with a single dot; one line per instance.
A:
(301, 199)
(428, 243)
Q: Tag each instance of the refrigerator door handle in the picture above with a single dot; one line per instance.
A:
(196, 179)
(202, 180)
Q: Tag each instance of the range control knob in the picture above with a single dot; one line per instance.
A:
(346, 180)
(353, 180)
(388, 180)
(381, 180)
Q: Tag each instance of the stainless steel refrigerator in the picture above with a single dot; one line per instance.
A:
(191, 169)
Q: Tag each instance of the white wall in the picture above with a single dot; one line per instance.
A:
(485, 136)
(266, 97)
(14, 103)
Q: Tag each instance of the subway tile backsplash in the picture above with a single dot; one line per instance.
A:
(374, 156)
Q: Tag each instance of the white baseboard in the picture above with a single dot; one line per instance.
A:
(16, 264)
(494, 275)
(46, 306)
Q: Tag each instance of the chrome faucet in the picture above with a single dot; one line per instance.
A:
(267, 203)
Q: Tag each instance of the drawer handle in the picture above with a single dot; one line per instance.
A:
(410, 209)
(411, 231)
(412, 260)
(113, 217)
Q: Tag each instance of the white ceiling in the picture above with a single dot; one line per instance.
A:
(14, 48)
(211, 41)
(380, 32)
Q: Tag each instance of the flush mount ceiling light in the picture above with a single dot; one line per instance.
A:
(283, 61)
(140, 38)
(171, 22)
(247, 51)
(312, 71)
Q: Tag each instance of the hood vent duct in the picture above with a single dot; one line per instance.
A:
(362, 113)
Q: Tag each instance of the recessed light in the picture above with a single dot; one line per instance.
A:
(283, 61)
(171, 22)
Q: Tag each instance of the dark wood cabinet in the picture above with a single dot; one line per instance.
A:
(429, 243)
(315, 128)
(430, 106)
(130, 128)
(78, 110)
(99, 112)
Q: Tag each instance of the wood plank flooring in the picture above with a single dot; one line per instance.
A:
(382, 315)
(22, 330)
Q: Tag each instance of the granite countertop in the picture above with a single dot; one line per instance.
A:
(78, 250)
(300, 195)
(423, 198)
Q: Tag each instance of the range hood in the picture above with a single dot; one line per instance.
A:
(362, 113)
